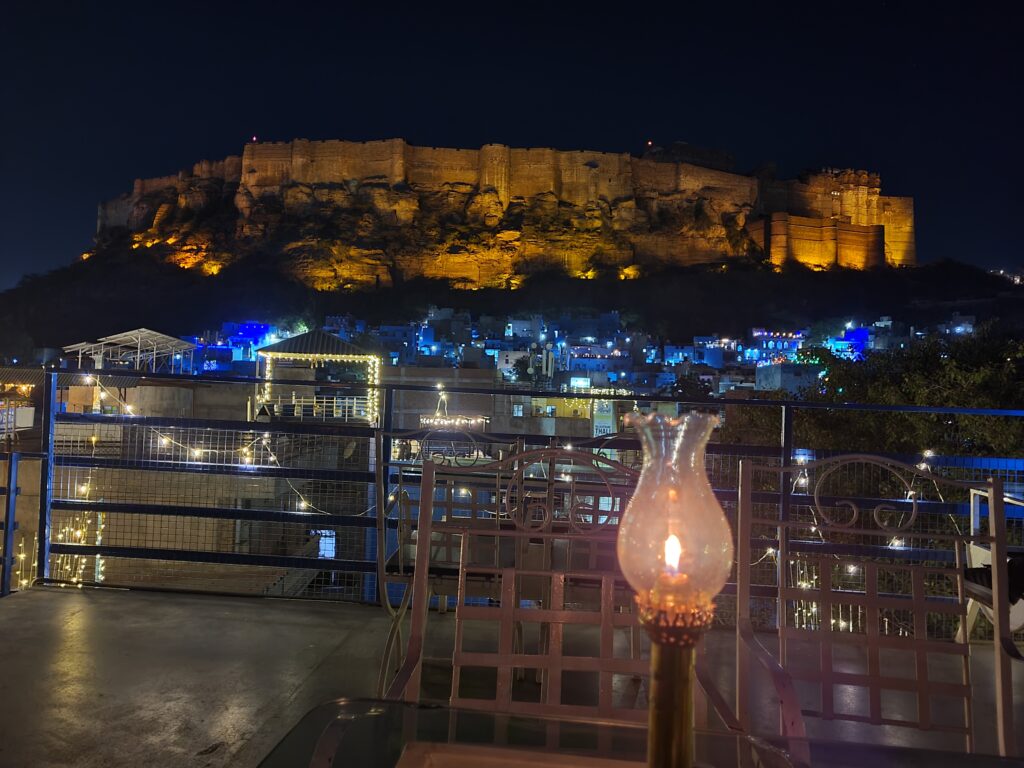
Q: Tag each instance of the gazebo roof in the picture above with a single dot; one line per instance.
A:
(131, 341)
(140, 348)
(314, 344)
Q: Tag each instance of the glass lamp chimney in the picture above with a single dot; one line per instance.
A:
(674, 543)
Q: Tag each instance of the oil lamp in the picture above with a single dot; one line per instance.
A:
(675, 549)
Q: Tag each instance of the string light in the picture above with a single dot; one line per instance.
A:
(198, 453)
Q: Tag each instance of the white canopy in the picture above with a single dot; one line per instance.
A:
(139, 349)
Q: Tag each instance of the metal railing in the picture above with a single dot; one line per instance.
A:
(291, 507)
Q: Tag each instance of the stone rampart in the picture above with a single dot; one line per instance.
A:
(823, 243)
(148, 186)
(646, 208)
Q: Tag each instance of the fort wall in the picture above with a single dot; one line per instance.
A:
(822, 219)
(824, 243)
(896, 214)
(148, 186)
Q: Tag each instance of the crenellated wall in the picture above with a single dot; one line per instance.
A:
(608, 205)
(823, 243)
(575, 177)
(842, 197)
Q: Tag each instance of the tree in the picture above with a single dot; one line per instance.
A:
(523, 369)
(985, 370)
(690, 387)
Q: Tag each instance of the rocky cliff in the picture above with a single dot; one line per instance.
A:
(338, 214)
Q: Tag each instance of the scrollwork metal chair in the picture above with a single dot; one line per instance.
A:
(850, 592)
(979, 555)
(544, 560)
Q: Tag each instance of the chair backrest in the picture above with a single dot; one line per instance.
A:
(858, 563)
(978, 555)
(530, 542)
(545, 624)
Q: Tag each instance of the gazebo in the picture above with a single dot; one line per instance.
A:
(318, 351)
(140, 349)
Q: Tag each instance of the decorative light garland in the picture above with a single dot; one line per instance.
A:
(453, 421)
(373, 375)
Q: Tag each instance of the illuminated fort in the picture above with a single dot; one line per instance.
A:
(350, 214)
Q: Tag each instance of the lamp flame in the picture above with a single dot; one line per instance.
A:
(673, 551)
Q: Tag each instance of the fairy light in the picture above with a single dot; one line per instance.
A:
(373, 375)
(198, 453)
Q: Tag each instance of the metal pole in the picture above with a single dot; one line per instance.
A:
(786, 457)
(9, 513)
(1006, 736)
(670, 737)
(382, 444)
(785, 504)
(46, 475)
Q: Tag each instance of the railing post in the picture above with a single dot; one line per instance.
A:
(9, 517)
(382, 444)
(744, 513)
(1006, 736)
(46, 474)
(786, 456)
(785, 504)
(387, 415)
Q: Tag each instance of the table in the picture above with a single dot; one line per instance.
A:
(371, 733)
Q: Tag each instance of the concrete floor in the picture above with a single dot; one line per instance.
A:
(113, 678)
(109, 678)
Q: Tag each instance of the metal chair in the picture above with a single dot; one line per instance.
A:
(539, 553)
(979, 555)
(863, 587)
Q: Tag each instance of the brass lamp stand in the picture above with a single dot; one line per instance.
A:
(675, 632)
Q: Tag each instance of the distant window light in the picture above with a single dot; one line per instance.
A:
(517, 409)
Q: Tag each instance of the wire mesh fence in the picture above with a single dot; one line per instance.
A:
(168, 485)
(266, 509)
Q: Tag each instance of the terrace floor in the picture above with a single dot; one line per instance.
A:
(113, 678)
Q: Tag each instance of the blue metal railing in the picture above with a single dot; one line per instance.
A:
(180, 515)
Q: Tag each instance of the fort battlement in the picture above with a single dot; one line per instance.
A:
(831, 217)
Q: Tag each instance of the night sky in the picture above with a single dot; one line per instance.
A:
(95, 95)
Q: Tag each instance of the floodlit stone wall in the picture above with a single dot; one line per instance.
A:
(488, 216)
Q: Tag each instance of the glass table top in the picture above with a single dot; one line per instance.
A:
(388, 734)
